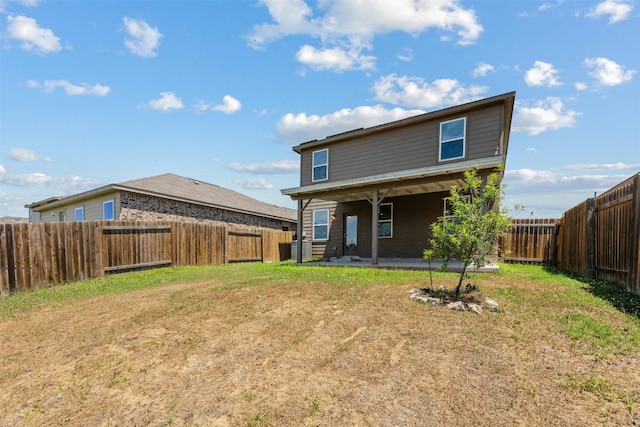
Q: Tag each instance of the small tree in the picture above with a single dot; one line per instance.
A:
(476, 221)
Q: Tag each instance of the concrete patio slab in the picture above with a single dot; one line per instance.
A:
(400, 263)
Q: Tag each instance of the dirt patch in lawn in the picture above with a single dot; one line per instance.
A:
(300, 354)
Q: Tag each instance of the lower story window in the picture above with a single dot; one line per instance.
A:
(79, 214)
(107, 210)
(385, 220)
(321, 224)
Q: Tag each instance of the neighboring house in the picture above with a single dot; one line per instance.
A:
(165, 197)
(12, 220)
(375, 192)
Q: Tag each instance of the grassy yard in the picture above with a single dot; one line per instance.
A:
(280, 345)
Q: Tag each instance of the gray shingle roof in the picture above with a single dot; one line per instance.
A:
(199, 192)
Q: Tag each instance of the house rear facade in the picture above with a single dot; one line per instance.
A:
(375, 192)
(165, 197)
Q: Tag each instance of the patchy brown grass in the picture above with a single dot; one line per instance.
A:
(299, 349)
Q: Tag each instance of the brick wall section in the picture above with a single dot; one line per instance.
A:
(139, 207)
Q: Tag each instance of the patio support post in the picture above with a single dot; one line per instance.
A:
(299, 229)
(375, 206)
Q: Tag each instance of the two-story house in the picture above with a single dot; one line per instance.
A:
(375, 192)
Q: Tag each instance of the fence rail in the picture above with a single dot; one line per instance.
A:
(41, 254)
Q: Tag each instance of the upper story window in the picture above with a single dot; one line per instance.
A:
(79, 214)
(321, 224)
(385, 220)
(107, 210)
(320, 165)
(452, 139)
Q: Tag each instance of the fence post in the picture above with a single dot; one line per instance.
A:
(591, 238)
(633, 266)
(225, 246)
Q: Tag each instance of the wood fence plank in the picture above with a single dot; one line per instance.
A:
(5, 256)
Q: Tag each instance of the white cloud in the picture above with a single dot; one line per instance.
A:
(49, 86)
(549, 114)
(616, 10)
(301, 127)
(415, 92)
(167, 101)
(336, 58)
(547, 6)
(143, 39)
(32, 37)
(352, 25)
(69, 184)
(581, 86)
(607, 72)
(271, 168)
(254, 184)
(482, 69)
(24, 155)
(603, 166)
(27, 3)
(229, 105)
(550, 193)
(406, 55)
(542, 74)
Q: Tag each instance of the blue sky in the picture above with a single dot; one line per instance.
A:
(98, 92)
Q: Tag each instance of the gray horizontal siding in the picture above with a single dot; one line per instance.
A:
(412, 217)
(410, 147)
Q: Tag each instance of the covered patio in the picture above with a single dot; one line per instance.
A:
(378, 188)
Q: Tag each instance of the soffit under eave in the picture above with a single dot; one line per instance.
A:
(386, 190)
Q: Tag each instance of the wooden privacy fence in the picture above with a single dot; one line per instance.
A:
(599, 238)
(530, 241)
(40, 254)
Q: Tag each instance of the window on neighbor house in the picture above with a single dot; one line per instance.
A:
(320, 165)
(321, 224)
(79, 214)
(385, 220)
(107, 210)
(452, 139)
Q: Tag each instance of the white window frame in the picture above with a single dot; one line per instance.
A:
(446, 211)
(113, 210)
(390, 221)
(314, 166)
(444, 141)
(77, 211)
(315, 224)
